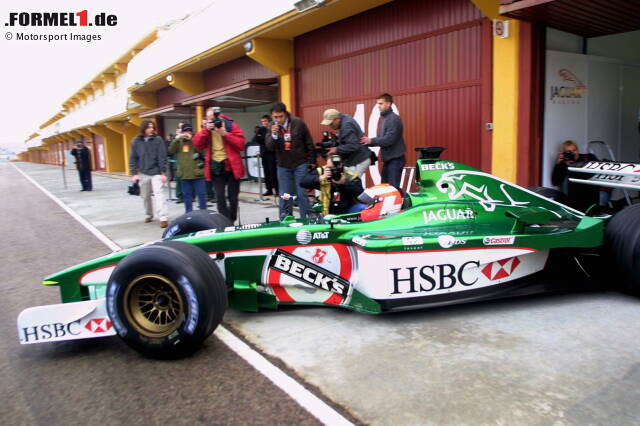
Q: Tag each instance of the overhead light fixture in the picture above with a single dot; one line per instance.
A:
(248, 46)
(170, 78)
(303, 5)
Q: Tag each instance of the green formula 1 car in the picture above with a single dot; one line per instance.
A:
(465, 235)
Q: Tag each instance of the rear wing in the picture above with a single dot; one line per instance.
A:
(610, 174)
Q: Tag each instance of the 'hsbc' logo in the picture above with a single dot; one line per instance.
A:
(309, 273)
(436, 278)
(54, 330)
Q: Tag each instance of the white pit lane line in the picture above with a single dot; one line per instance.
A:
(314, 405)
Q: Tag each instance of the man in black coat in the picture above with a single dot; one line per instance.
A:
(268, 157)
(290, 139)
(83, 164)
(391, 142)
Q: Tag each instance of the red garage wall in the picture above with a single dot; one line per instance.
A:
(433, 57)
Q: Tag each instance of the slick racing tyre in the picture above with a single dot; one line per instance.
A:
(622, 242)
(197, 220)
(550, 193)
(165, 299)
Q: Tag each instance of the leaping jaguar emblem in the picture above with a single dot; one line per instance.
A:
(453, 184)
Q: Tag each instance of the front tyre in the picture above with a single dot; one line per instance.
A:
(165, 299)
(194, 221)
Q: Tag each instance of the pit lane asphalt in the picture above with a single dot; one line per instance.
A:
(562, 359)
(102, 381)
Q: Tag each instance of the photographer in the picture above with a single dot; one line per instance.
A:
(289, 137)
(579, 196)
(83, 164)
(268, 156)
(190, 169)
(339, 188)
(223, 141)
(357, 158)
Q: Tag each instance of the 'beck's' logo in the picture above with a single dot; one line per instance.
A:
(309, 273)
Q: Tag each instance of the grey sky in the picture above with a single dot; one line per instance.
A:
(37, 76)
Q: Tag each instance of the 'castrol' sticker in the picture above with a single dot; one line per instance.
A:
(499, 241)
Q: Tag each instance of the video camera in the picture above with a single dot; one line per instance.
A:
(329, 140)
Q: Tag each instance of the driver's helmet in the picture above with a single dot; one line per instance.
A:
(383, 200)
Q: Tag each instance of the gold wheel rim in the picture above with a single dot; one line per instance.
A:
(153, 305)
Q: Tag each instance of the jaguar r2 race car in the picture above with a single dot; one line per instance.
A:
(463, 236)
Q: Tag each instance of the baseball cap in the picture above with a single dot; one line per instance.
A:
(330, 115)
(186, 127)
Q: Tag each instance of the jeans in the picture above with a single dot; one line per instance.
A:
(392, 172)
(191, 186)
(179, 195)
(289, 183)
(226, 179)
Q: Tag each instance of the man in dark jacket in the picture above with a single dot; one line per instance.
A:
(148, 165)
(289, 137)
(356, 157)
(83, 164)
(268, 156)
(223, 142)
(390, 141)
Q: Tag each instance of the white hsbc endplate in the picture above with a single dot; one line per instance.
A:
(66, 321)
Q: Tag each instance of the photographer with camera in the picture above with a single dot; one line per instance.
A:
(148, 165)
(289, 137)
(83, 164)
(190, 168)
(223, 141)
(268, 156)
(339, 188)
(357, 158)
(579, 196)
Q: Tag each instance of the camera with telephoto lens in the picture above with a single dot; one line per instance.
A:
(200, 158)
(337, 169)
(569, 155)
